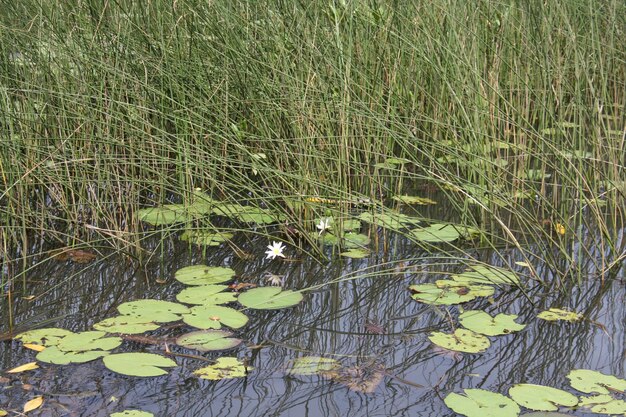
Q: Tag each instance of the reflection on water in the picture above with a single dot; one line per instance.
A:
(330, 322)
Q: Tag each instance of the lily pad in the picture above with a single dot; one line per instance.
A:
(482, 403)
(257, 215)
(594, 382)
(490, 275)
(603, 404)
(85, 341)
(356, 253)
(43, 337)
(213, 317)
(461, 341)
(206, 237)
(56, 356)
(555, 314)
(390, 220)
(350, 224)
(354, 240)
(204, 275)
(313, 365)
(164, 215)
(208, 340)
(132, 413)
(158, 311)
(138, 364)
(435, 233)
(269, 298)
(206, 294)
(438, 294)
(411, 199)
(481, 322)
(224, 368)
(541, 398)
(126, 325)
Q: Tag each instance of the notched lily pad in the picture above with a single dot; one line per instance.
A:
(390, 220)
(603, 404)
(594, 382)
(213, 317)
(138, 364)
(461, 341)
(447, 292)
(224, 368)
(356, 253)
(208, 340)
(56, 356)
(158, 311)
(436, 233)
(312, 365)
(164, 215)
(487, 275)
(206, 237)
(482, 403)
(204, 275)
(269, 298)
(126, 325)
(86, 341)
(540, 397)
(43, 337)
(481, 322)
(206, 294)
(554, 314)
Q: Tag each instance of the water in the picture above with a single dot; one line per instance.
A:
(331, 322)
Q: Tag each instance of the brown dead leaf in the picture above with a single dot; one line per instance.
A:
(33, 404)
(75, 255)
(241, 286)
(28, 297)
(3, 413)
(26, 367)
(359, 378)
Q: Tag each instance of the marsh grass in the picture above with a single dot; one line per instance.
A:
(110, 107)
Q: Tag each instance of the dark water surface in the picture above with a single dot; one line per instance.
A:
(331, 322)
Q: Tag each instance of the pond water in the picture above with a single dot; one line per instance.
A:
(364, 317)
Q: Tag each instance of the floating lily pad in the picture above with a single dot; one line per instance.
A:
(204, 275)
(132, 413)
(481, 322)
(555, 314)
(390, 220)
(224, 368)
(438, 294)
(213, 317)
(43, 337)
(158, 311)
(228, 209)
(356, 253)
(257, 215)
(350, 224)
(126, 325)
(206, 294)
(481, 274)
(138, 364)
(312, 365)
(436, 233)
(56, 356)
(206, 237)
(482, 403)
(541, 398)
(411, 199)
(85, 341)
(269, 298)
(594, 382)
(164, 215)
(461, 341)
(354, 240)
(603, 404)
(208, 340)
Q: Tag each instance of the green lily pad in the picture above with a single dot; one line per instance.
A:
(224, 368)
(356, 253)
(594, 382)
(411, 199)
(206, 237)
(461, 341)
(438, 294)
(350, 224)
(138, 364)
(269, 298)
(603, 404)
(206, 294)
(481, 322)
(204, 275)
(56, 356)
(390, 220)
(540, 397)
(132, 413)
(126, 325)
(43, 337)
(490, 275)
(85, 341)
(436, 233)
(213, 317)
(208, 340)
(545, 414)
(354, 240)
(257, 215)
(228, 209)
(312, 365)
(554, 314)
(164, 215)
(482, 403)
(158, 311)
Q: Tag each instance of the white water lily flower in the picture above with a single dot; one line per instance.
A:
(275, 249)
(324, 224)
(275, 280)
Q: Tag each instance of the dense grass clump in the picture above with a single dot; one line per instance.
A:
(513, 109)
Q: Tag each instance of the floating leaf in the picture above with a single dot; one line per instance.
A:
(36, 348)
(390, 220)
(269, 298)
(87, 341)
(436, 233)
(481, 322)
(126, 325)
(138, 364)
(164, 215)
(591, 382)
(554, 314)
(224, 368)
(603, 404)
(461, 341)
(545, 414)
(541, 398)
(410, 199)
(350, 224)
(482, 403)
(257, 215)
(441, 294)
(3, 412)
(206, 294)
(158, 311)
(204, 275)
(53, 355)
(213, 317)
(132, 413)
(481, 274)
(33, 404)
(26, 367)
(356, 253)
(208, 340)
(206, 237)
(363, 379)
(43, 337)
(312, 365)
(354, 240)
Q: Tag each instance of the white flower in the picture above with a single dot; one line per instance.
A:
(275, 249)
(275, 280)
(324, 224)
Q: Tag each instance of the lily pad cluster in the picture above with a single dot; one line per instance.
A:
(605, 390)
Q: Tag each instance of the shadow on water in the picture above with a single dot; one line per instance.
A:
(341, 319)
